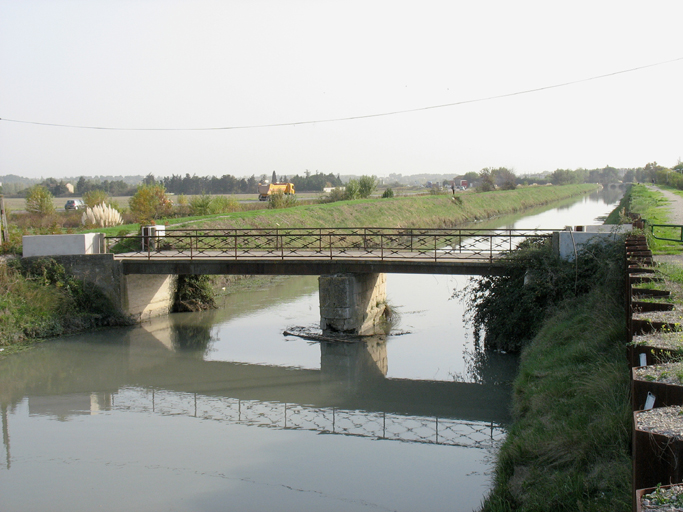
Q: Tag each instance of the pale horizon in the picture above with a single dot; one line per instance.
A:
(468, 86)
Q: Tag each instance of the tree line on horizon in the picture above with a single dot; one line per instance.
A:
(486, 179)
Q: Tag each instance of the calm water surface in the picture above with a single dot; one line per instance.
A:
(222, 411)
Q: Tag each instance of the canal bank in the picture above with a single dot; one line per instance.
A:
(569, 445)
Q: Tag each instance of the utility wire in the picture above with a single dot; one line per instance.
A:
(352, 118)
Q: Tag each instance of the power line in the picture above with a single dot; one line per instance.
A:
(352, 118)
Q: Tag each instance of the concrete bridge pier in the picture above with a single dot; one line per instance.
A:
(352, 303)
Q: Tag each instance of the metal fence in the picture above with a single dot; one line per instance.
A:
(325, 420)
(325, 243)
(669, 232)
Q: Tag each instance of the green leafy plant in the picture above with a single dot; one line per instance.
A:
(509, 309)
(280, 200)
(194, 293)
(39, 200)
(149, 203)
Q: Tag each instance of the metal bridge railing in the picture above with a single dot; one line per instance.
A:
(325, 243)
(325, 420)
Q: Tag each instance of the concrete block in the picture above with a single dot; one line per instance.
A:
(566, 243)
(62, 245)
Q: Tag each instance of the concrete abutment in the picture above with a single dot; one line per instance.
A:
(140, 296)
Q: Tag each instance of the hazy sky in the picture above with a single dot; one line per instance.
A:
(188, 64)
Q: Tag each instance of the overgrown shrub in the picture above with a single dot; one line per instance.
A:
(194, 293)
(388, 193)
(200, 205)
(280, 200)
(509, 309)
(366, 186)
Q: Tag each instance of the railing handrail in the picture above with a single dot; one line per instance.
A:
(675, 226)
(341, 243)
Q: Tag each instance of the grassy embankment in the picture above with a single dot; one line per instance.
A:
(569, 446)
(31, 309)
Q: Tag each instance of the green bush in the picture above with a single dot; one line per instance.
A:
(388, 193)
(194, 293)
(366, 186)
(200, 205)
(39, 200)
(223, 204)
(41, 299)
(280, 200)
(511, 308)
(352, 190)
(149, 203)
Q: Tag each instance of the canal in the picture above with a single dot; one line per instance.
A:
(223, 411)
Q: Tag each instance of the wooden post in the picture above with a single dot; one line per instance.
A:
(4, 229)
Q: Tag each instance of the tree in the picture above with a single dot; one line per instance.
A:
(94, 197)
(274, 178)
(149, 203)
(39, 200)
(505, 178)
(366, 186)
(486, 183)
(352, 190)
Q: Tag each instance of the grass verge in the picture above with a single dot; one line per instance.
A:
(569, 447)
(654, 207)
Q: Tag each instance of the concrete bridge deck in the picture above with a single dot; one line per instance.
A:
(306, 265)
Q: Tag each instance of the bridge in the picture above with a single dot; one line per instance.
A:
(139, 272)
(319, 251)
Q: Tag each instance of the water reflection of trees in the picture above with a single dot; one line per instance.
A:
(488, 366)
(191, 337)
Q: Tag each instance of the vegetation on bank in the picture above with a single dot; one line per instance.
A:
(568, 448)
(510, 309)
(39, 299)
(569, 445)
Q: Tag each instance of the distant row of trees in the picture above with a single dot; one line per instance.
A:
(503, 178)
(228, 184)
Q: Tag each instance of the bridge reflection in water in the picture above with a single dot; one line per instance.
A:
(324, 420)
(149, 371)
